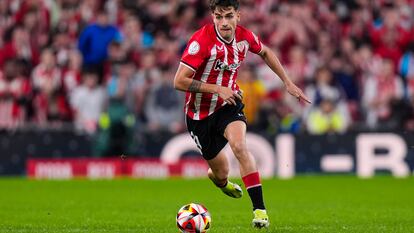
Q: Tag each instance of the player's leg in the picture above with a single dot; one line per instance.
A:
(219, 169)
(211, 147)
(219, 172)
(235, 133)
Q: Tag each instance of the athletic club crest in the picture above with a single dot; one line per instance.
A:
(242, 47)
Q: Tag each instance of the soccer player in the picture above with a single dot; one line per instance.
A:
(214, 108)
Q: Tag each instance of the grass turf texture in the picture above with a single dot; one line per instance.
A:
(303, 204)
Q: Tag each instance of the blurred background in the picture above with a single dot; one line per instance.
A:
(92, 81)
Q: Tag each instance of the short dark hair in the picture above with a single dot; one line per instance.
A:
(224, 3)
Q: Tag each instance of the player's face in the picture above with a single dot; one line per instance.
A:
(226, 20)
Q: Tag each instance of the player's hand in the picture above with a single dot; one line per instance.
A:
(296, 92)
(228, 95)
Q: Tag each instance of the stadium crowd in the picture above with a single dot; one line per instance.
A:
(96, 64)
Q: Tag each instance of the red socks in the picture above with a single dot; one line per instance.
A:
(254, 188)
(252, 180)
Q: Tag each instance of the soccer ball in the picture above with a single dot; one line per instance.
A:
(193, 218)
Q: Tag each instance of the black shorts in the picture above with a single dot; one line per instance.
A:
(208, 133)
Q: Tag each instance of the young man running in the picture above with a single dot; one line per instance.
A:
(214, 108)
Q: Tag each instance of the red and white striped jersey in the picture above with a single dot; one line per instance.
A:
(216, 61)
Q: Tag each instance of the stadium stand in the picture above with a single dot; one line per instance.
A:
(356, 55)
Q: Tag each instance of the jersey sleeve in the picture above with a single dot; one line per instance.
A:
(195, 52)
(255, 45)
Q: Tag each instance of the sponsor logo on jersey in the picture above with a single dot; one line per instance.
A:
(223, 66)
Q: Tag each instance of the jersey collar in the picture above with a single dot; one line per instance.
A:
(221, 38)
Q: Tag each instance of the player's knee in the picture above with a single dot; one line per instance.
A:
(239, 149)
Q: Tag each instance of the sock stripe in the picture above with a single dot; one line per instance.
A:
(253, 186)
(251, 180)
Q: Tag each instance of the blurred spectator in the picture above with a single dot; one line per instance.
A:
(62, 44)
(285, 37)
(326, 118)
(166, 51)
(88, 101)
(148, 74)
(19, 47)
(6, 19)
(379, 92)
(360, 18)
(34, 15)
(164, 107)
(406, 70)
(135, 40)
(95, 39)
(253, 94)
(299, 68)
(37, 27)
(277, 117)
(119, 85)
(118, 122)
(88, 9)
(344, 73)
(325, 49)
(366, 64)
(115, 135)
(72, 73)
(289, 122)
(324, 87)
(116, 55)
(389, 38)
(50, 102)
(15, 91)
(350, 39)
(180, 16)
(68, 20)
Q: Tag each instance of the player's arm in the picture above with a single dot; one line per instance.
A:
(184, 81)
(273, 62)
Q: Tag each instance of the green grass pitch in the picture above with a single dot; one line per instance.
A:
(303, 204)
